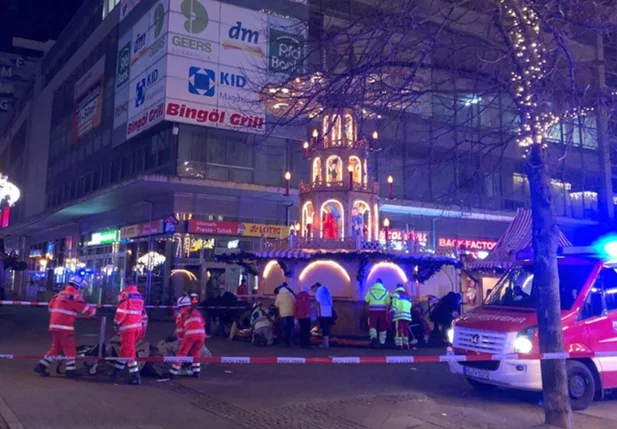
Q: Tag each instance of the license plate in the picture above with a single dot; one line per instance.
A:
(476, 373)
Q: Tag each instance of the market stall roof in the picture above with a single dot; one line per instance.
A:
(321, 253)
(517, 238)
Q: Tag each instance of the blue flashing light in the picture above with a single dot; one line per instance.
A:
(606, 247)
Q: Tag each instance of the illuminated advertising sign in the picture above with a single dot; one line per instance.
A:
(268, 231)
(104, 237)
(466, 243)
(88, 101)
(401, 235)
(142, 229)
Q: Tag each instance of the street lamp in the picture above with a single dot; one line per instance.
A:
(390, 187)
(287, 182)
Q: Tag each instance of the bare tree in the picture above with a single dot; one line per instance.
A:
(530, 55)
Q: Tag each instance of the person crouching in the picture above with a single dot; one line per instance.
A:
(191, 334)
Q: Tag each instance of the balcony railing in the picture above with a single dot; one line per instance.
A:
(409, 247)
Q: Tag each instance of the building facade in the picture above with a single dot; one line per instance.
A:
(148, 152)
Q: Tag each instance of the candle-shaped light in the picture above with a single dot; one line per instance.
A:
(386, 229)
(350, 170)
(315, 133)
(287, 182)
(305, 146)
(390, 187)
(375, 137)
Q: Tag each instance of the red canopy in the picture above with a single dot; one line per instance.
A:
(516, 238)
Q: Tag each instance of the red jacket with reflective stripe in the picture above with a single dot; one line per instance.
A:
(130, 310)
(190, 323)
(64, 307)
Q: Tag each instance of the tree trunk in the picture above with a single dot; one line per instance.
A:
(557, 408)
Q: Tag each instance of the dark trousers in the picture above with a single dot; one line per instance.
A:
(287, 330)
(305, 332)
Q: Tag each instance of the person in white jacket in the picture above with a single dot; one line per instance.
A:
(324, 311)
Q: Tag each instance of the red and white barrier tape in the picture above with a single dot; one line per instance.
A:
(44, 304)
(336, 360)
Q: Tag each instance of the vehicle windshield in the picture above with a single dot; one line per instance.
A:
(516, 288)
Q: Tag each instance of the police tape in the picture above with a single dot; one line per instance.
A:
(45, 304)
(349, 360)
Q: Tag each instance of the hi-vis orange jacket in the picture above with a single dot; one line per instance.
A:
(190, 323)
(130, 310)
(64, 307)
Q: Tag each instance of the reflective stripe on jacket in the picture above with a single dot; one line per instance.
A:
(259, 319)
(401, 306)
(129, 314)
(64, 307)
(190, 323)
(377, 297)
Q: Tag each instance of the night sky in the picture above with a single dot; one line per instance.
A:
(34, 19)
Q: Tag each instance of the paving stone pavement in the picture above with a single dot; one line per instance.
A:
(257, 396)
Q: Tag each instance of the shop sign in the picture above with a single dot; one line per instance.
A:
(466, 243)
(141, 229)
(258, 229)
(212, 227)
(104, 237)
(35, 253)
(237, 229)
(401, 235)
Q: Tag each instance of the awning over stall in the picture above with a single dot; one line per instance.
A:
(516, 238)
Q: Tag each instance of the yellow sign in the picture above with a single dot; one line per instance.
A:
(259, 229)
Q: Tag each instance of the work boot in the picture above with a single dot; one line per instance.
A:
(135, 378)
(41, 370)
(115, 376)
(71, 373)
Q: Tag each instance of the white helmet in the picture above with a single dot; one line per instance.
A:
(184, 301)
(78, 282)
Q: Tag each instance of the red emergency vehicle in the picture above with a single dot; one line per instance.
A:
(506, 323)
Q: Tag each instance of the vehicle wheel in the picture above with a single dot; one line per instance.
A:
(479, 385)
(581, 385)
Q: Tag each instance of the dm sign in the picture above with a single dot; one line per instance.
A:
(286, 51)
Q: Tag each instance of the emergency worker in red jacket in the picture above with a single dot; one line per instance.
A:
(64, 307)
(129, 323)
(191, 334)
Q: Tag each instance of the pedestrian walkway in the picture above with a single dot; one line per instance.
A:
(418, 396)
